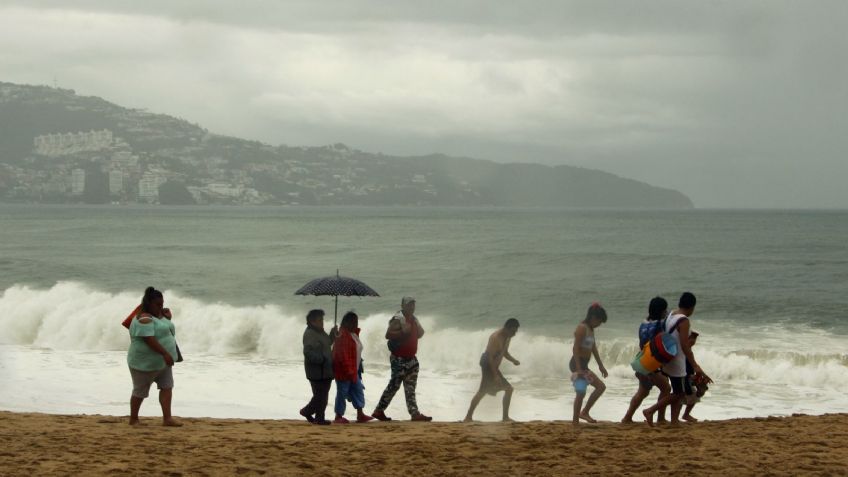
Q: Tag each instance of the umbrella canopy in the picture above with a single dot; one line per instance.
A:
(336, 286)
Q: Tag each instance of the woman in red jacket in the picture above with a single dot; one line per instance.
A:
(347, 367)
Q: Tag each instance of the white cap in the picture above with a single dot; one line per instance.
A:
(406, 300)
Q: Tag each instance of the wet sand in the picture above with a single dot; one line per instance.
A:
(42, 444)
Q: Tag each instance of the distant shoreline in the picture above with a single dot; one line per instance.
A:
(414, 207)
(44, 444)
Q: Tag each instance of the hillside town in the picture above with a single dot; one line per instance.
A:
(60, 147)
(102, 162)
(140, 157)
(100, 166)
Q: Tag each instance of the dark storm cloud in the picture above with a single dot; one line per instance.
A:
(737, 103)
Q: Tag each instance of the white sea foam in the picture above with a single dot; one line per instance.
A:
(756, 371)
(71, 316)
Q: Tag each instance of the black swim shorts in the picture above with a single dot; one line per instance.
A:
(681, 385)
(584, 362)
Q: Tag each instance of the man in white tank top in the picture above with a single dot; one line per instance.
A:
(676, 320)
(678, 326)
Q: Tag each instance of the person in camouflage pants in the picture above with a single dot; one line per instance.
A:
(403, 334)
(404, 371)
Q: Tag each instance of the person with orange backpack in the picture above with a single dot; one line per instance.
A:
(678, 327)
(652, 326)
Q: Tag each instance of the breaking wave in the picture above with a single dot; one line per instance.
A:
(71, 315)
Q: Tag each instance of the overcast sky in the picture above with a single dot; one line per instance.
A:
(735, 103)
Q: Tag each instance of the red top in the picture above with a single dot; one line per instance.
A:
(409, 348)
(345, 367)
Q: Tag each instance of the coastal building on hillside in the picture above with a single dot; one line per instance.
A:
(116, 182)
(148, 187)
(77, 182)
(55, 145)
(223, 190)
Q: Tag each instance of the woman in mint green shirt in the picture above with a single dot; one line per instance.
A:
(151, 355)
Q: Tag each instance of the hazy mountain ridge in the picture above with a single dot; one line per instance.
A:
(158, 158)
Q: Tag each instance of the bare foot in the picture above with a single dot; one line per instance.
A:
(507, 419)
(468, 419)
(586, 417)
(649, 417)
(627, 421)
(135, 422)
(690, 418)
(171, 422)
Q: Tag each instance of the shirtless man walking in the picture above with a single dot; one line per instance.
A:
(493, 381)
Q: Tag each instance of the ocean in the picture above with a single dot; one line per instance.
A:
(770, 285)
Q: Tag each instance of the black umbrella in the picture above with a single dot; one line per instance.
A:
(336, 286)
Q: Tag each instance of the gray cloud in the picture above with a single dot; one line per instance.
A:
(740, 104)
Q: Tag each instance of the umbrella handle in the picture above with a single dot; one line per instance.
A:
(336, 313)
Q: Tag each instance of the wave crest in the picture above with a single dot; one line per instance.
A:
(71, 315)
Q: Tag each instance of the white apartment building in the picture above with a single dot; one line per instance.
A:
(225, 190)
(148, 187)
(77, 181)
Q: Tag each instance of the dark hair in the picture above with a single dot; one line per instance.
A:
(687, 301)
(150, 294)
(350, 320)
(314, 314)
(656, 307)
(511, 323)
(596, 311)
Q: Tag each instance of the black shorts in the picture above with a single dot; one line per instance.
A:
(583, 361)
(689, 386)
(681, 385)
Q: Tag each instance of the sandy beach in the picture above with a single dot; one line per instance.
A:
(43, 444)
